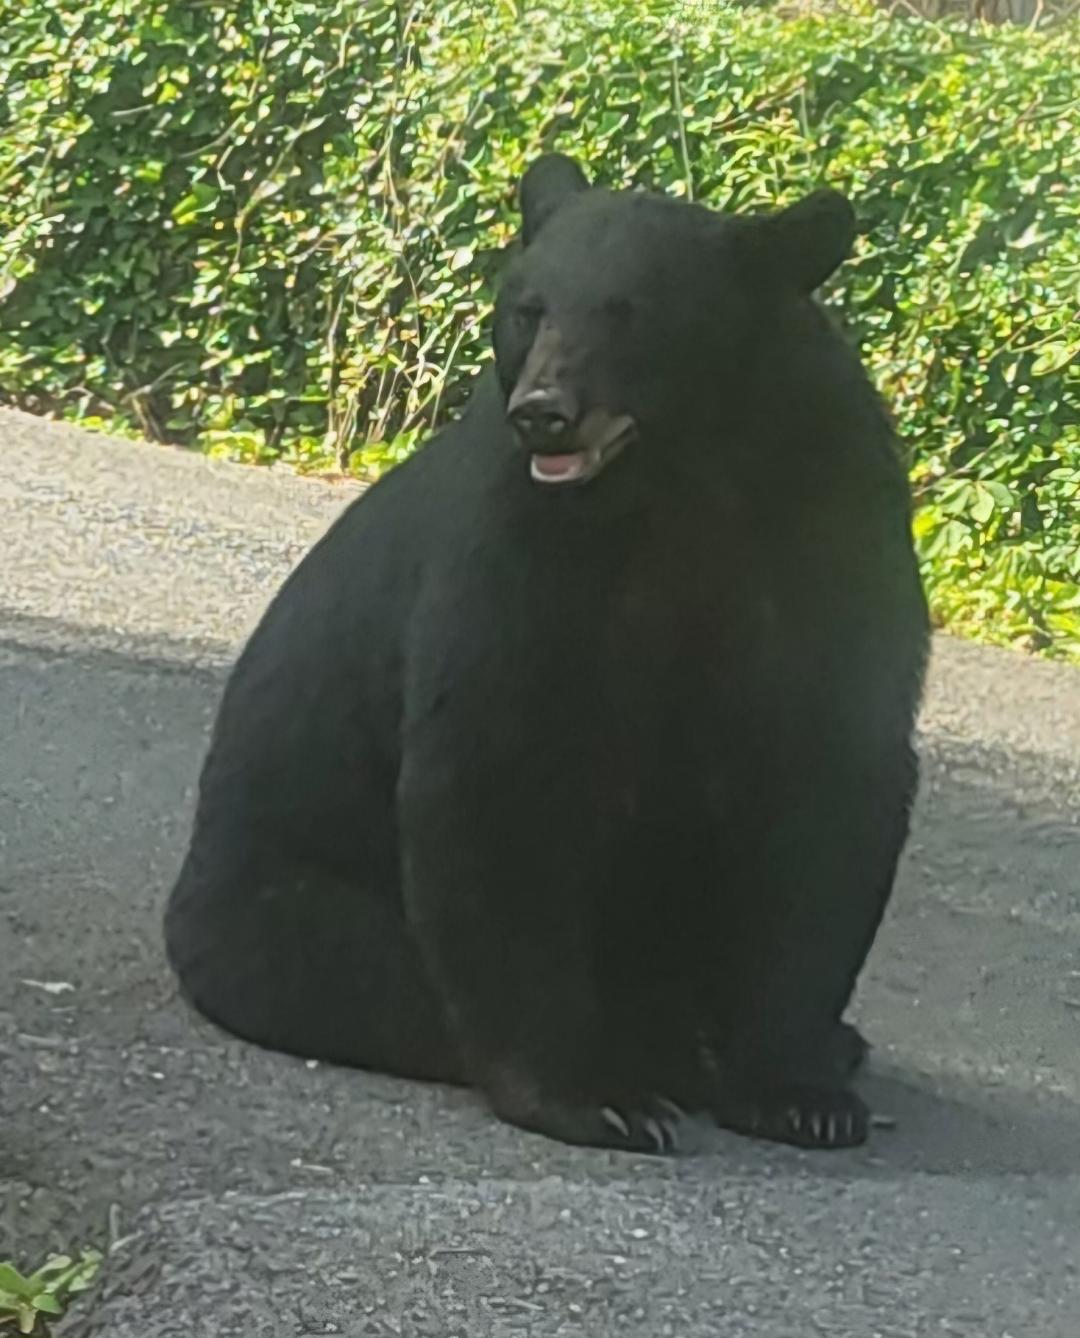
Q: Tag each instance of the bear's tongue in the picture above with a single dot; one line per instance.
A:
(559, 468)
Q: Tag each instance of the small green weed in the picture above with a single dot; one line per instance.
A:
(27, 1302)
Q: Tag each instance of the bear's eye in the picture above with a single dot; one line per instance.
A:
(528, 313)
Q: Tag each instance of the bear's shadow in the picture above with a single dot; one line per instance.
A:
(953, 1126)
(938, 1126)
(941, 1125)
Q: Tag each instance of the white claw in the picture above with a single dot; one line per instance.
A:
(676, 1112)
(671, 1136)
(815, 1127)
(612, 1116)
(830, 1129)
(883, 1121)
(652, 1128)
(795, 1118)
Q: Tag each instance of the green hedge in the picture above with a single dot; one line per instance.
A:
(271, 227)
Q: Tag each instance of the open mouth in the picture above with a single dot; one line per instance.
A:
(580, 466)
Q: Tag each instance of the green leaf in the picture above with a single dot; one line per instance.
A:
(982, 508)
(1053, 357)
(13, 1283)
(199, 199)
(56, 1263)
(1000, 492)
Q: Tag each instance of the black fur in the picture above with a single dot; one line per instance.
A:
(590, 796)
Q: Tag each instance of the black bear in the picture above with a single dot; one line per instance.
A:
(575, 761)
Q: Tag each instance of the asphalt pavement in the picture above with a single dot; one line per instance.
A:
(243, 1193)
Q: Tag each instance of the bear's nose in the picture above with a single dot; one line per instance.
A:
(540, 417)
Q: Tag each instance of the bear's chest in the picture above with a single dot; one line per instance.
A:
(632, 640)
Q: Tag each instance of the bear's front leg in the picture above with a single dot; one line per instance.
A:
(818, 871)
(500, 874)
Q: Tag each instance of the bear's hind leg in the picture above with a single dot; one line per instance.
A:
(300, 960)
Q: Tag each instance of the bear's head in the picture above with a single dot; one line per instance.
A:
(627, 316)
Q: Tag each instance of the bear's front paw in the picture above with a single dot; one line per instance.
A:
(803, 1115)
(648, 1124)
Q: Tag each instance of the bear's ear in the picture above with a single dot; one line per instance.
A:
(547, 184)
(809, 241)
